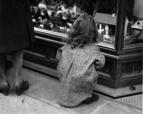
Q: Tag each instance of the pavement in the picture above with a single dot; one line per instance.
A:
(41, 99)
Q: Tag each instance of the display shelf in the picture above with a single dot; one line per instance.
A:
(50, 33)
(102, 45)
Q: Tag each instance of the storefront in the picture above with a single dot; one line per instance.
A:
(121, 39)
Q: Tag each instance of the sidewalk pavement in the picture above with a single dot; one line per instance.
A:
(41, 99)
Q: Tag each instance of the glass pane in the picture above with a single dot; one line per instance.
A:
(134, 23)
(54, 15)
(106, 21)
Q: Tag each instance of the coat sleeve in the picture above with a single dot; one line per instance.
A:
(26, 2)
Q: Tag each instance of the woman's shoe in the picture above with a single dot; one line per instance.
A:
(91, 99)
(21, 87)
(4, 87)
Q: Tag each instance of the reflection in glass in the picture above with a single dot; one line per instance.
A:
(134, 22)
(54, 15)
(59, 15)
(105, 18)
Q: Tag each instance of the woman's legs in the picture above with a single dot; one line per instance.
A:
(4, 84)
(19, 85)
(17, 60)
(2, 68)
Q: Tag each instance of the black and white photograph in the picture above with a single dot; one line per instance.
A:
(71, 56)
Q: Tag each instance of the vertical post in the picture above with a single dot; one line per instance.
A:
(121, 16)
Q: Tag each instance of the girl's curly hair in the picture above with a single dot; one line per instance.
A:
(83, 31)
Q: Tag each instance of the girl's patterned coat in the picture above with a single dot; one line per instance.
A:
(77, 72)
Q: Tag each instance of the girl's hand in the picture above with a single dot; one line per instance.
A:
(99, 62)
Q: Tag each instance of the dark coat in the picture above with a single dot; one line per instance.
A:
(16, 29)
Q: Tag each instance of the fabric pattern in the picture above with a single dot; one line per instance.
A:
(77, 73)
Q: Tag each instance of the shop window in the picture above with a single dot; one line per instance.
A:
(57, 16)
(54, 15)
(105, 18)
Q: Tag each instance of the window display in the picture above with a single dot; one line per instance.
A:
(106, 25)
(54, 15)
(105, 19)
(59, 15)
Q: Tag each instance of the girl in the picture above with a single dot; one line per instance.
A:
(78, 61)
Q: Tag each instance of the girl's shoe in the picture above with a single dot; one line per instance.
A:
(4, 87)
(91, 99)
(21, 87)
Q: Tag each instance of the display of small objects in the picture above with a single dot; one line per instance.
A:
(106, 33)
(54, 16)
(138, 25)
